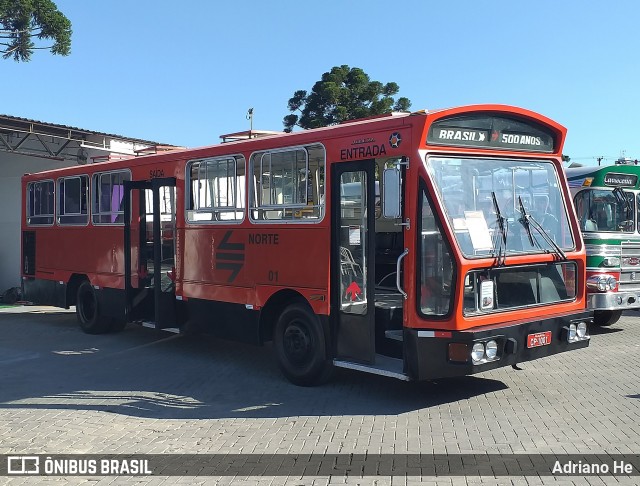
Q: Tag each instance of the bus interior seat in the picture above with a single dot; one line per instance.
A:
(590, 225)
(348, 265)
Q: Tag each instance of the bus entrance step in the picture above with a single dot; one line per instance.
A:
(395, 334)
(153, 325)
(383, 365)
(140, 297)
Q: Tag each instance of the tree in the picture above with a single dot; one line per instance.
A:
(343, 93)
(22, 21)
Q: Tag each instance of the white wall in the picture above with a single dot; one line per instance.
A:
(13, 167)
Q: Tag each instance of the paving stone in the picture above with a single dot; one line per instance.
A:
(143, 392)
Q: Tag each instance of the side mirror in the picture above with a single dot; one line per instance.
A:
(391, 193)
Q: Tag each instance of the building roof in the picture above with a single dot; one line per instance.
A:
(15, 123)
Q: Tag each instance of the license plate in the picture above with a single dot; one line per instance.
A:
(539, 339)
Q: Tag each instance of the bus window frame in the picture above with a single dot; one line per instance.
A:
(98, 174)
(59, 222)
(252, 199)
(188, 195)
(28, 201)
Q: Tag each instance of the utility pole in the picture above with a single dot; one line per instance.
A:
(599, 159)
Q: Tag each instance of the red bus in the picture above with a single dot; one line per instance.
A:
(405, 245)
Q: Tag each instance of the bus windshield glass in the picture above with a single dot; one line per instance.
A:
(499, 207)
(599, 210)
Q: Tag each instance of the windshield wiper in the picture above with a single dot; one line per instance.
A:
(502, 226)
(528, 221)
(524, 219)
(622, 200)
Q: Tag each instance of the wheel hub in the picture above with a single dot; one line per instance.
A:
(297, 344)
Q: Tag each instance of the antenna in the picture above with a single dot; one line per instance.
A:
(250, 118)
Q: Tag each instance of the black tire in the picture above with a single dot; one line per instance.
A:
(606, 318)
(88, 311)
(117, 325)
(300, 346)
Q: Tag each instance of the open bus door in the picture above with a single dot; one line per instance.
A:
(149, 242)
(353, 256)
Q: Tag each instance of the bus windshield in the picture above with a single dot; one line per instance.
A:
(489, 204)
(599, 210)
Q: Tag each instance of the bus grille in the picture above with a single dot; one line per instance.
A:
(630, 267)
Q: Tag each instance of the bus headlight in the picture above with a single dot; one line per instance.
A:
(573, 329)
(581, 330)
(602, 283)
(576, 331)
(491, 350)
(477, 352)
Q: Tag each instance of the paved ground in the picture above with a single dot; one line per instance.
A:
(139, 391)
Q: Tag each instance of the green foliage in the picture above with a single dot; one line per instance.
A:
(342, 94)
(22, 21)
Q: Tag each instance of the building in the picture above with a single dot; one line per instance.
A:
(28, 146)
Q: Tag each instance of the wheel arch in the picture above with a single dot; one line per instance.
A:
(73, 285)
(274, 307)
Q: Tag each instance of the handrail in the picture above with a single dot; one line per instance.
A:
(402, 255)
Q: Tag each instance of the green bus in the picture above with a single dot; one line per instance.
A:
(607, 202)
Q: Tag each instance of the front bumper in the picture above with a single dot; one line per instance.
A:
(614, 301)
(427, 355)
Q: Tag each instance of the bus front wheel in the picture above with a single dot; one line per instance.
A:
(606, 318)
(300, 346)
(88, 312)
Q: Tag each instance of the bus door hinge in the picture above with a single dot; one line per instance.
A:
(404, 161)
(406, 224)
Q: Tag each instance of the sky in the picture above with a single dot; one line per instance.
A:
(185, 72)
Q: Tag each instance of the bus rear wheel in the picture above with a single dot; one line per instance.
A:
(300, 346)
(606, 318)
(88, 311)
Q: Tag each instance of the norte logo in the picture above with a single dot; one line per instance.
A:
(395, 140)
(230, 256)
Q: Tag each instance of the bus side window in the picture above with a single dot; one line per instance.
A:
(437, 265)
(40, 202)
(585, 212)
(107, 197)
(216, 191)
(288, 184)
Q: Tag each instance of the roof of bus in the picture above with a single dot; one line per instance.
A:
(595, 171)
(348, 127)
(610, 176)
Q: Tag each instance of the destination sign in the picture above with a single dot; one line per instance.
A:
(491, 132)
(461, 136)
(621, 180)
